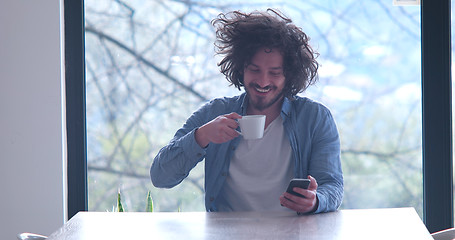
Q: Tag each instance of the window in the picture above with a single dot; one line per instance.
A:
(434, 20)
(150, 64)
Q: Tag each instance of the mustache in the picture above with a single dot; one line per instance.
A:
(255, 85)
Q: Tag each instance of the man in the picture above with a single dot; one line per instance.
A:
(270, 58)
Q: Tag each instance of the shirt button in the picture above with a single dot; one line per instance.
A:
(199, 155)
(211, 199)
(224, 174)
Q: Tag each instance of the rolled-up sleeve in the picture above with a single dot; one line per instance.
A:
(325, 162)
(173, 162)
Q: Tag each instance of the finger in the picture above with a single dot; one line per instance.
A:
(231, 132)
(304, 192)
(232, 124)
(313, 183)
(229, 127)
(294, 198)
(298, 207)
(229, 120)
(308, 194)
(233, 115)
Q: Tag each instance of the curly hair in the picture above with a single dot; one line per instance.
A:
(240, 35)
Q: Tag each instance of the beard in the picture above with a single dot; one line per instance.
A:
(261, 103)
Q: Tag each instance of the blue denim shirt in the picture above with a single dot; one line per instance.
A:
(312, 133)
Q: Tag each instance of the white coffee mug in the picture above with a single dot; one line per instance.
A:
(252, 126)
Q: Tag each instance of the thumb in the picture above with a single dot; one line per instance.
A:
(313, 183)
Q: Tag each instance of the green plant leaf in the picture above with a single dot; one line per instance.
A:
(119, 203)
(149, 207)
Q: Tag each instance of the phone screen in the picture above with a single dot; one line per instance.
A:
(300, 183)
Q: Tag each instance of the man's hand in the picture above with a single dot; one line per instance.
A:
(302, 205)
(219, 130)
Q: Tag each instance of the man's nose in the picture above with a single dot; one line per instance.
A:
(263, 80)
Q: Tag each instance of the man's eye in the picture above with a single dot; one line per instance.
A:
(275, 73)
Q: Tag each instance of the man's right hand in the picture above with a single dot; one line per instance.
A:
(219, 130)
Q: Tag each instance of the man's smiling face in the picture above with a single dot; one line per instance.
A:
(264, 80)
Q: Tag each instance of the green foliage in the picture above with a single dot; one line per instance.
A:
(149, 207)
(119, 203)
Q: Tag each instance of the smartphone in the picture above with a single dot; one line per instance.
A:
(300, 183)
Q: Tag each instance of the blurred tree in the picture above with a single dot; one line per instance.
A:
(150, 64)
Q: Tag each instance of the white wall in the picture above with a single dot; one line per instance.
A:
(31, 155)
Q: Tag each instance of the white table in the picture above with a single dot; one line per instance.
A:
(394, 223)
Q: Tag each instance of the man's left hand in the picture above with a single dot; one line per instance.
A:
(299, 204)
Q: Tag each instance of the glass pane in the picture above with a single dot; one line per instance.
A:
(150, 64)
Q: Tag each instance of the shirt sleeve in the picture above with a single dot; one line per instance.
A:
(325, 163)
(174, 161)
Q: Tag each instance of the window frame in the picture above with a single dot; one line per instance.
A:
(77, 186)
(436, 111)
(437, 115)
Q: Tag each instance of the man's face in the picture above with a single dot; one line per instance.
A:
(264, 80)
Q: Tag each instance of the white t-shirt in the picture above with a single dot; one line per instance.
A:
(259, 172)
